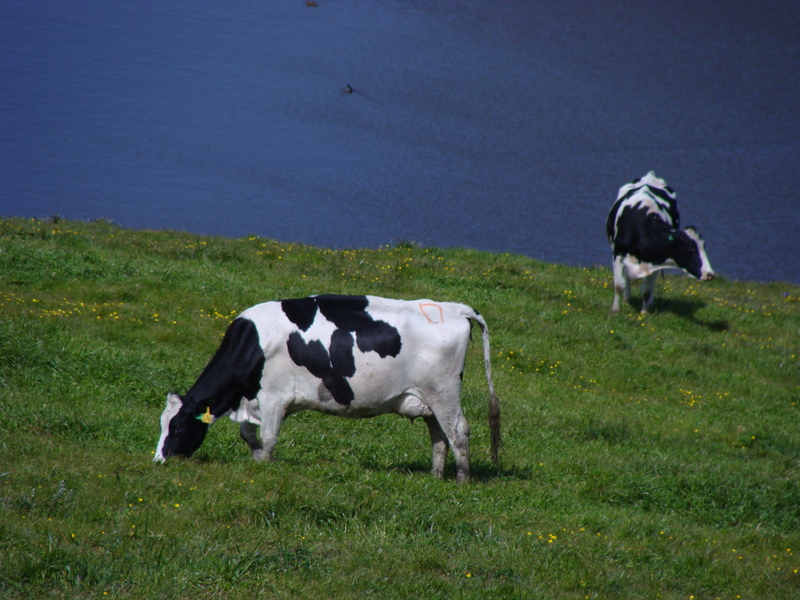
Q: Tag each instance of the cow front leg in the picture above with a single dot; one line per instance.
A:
(648, 293)
(249, 433)
(270, 428)
(440, 446)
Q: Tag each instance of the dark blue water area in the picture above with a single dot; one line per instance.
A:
(504, 126)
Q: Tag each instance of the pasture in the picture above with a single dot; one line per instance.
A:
(642, 457)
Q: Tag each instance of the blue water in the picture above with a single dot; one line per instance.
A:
(505, 126)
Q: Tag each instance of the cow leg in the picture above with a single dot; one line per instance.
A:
(455, 427)
(648, 293)
(440, 446)
(249, 433)
(460, 444)
(270, 428)
(622, 284)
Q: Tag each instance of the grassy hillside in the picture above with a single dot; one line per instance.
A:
(643, 457)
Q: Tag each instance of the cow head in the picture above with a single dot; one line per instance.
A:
(181, 431)
(690, 254)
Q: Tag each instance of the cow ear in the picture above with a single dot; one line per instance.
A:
(174, 400)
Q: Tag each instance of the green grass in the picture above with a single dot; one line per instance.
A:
(643, 457)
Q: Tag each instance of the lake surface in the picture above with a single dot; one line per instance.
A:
(505, 126)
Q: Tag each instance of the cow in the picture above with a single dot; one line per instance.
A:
(643, 229)
(349, 356)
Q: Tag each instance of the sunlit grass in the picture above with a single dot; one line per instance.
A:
(643, 457)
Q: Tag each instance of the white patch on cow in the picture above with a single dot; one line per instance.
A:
(656, 206)
(706, 272)
(248, 412)
(641, 199)
(650, 179)
(412, 407)
(637, 269)
(174, 404)
(432, 312)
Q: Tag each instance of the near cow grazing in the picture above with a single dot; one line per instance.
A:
(350, 356)
(643, 228)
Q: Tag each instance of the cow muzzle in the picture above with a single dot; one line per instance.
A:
(707, 276)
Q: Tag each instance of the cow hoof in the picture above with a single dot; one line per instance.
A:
(262, 456)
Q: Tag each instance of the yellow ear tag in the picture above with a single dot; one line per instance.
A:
(207, 417)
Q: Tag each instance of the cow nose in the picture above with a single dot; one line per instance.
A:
(708, 276)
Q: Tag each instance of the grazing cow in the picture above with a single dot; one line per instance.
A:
(350, 356)
(643, 229)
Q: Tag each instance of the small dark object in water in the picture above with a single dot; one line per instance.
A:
(348, 89)
(311, 3)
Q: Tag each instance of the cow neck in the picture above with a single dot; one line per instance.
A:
(197, 405)
(233, 373)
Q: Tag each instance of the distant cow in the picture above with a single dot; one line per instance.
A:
(643, 229)
(350, 356)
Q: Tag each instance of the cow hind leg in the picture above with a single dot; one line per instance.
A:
(648, 293)
(460, 445)
(412, 407)
(440, 446)
(622, 284)
(456, 429)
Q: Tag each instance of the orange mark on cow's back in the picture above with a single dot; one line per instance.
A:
(433, 312)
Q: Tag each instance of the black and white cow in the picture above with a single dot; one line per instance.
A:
(643, 228)
(350, 356)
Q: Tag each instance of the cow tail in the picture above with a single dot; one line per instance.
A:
(494, 403)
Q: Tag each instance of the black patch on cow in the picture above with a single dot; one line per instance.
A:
(629, 193)
(666, 195)
(645, 236)
(300, 311)
(311, 355)
(687, 254)
(185, 435)
(342, 359)
(349, 315)
(333, 372)
(346, 312)
(233, 373)
(661, 193)
(379, 337)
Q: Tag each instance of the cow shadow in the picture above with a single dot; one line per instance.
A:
(686, 309)
(480, 471)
